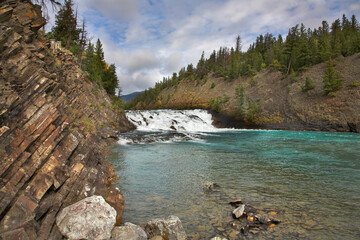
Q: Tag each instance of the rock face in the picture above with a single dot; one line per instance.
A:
(168, 228)
(54, 126)
(129, 232)
(91, 218)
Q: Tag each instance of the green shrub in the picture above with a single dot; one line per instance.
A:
(309, 84)
(275, 64)
(204, 80)
(332, 94)
(216, 104)
(253, 109)
(241, 100)
(212, 85)
(354, 84)
(253, 83)
(293, 77)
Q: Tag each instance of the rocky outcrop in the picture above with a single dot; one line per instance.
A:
(168, 228)
(91, 218)
(54, 127)
(273, 101)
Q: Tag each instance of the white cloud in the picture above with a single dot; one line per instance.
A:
(355, 7)
(140, 60)
(138, 81)
(147, 40)
(173, 63)
(119, 9)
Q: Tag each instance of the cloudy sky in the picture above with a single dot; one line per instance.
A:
(149, 39)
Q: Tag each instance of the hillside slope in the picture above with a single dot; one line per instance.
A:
(54, 127)
(129, 97)
(268, 100)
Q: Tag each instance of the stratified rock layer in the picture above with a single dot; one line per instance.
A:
(54, 127)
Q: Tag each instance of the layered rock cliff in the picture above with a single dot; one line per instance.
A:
(54, 128)
(270, 100)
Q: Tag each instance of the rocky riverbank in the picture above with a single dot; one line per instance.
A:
(54, 127)
(94, 219)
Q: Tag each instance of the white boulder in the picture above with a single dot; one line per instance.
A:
(91, 218)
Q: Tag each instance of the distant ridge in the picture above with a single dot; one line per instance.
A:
(130, 96)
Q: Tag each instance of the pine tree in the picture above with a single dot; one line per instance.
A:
(99, 50)
(109, 80)
(238, 44)
(336, 36)
(201, 70)
(290, 46)
(92, 64)
(65, 29)
(303, 50)
(332, 80)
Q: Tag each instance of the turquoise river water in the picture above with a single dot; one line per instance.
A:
(311, 180)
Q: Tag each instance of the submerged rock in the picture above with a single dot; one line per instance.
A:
(237, 201)
(156, 238)
(263, 219)
(209, 186)
(91, 218)
(275, 220)
(129, 232)
(253, 222)
(238, 212)
(169, 228)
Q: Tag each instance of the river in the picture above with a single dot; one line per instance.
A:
(310, 180)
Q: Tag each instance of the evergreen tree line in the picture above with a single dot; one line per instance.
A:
(90, 56)
(301, 49)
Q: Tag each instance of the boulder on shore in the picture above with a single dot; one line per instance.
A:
(169, 228)
(129, 232)
(91, 218)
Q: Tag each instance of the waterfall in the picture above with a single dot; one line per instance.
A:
(168, 126)
(172, 120)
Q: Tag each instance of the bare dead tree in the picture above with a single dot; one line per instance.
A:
(43, 3)
(83, 41)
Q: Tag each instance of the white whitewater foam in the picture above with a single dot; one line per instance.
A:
(169, 126)
(172, 120)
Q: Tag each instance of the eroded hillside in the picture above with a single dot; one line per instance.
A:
(270, 100)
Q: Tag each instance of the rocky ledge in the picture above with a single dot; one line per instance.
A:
(54, 127)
